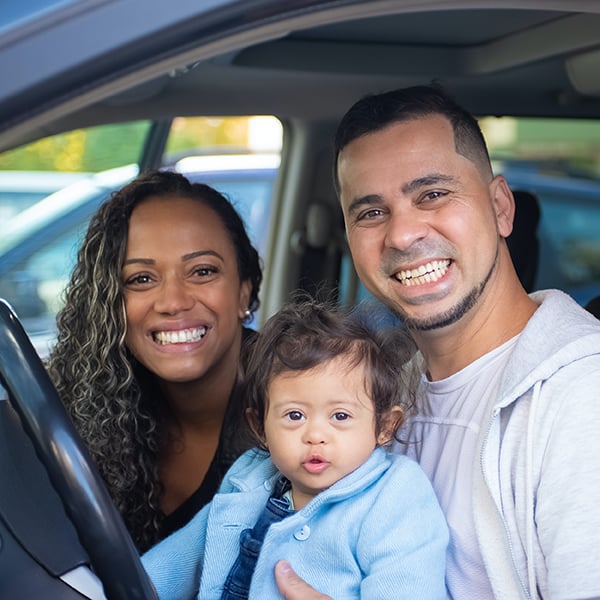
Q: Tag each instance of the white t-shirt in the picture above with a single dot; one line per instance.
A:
(443, 440)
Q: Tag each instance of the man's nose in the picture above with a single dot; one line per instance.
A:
(405, 228)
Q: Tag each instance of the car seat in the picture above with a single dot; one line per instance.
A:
(523, 242)
(593, 306)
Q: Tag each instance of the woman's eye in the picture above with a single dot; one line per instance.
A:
(205, 271)
(294, 415)
(140, 279)
(341, 416)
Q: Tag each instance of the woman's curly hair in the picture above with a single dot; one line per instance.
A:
(110, 397)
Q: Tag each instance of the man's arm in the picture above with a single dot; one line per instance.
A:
(292, 587)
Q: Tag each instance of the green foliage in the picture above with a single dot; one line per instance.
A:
(93, 149)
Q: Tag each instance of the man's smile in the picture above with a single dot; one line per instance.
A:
(427, 273)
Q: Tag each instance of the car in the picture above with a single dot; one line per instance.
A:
(528, 70)
(39, 249)
(569, 203)
(21, 189)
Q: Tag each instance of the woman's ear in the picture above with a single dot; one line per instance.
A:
(255, 425)
(389, 424)
(245, 289)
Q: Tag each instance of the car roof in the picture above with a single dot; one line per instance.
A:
(537, 57)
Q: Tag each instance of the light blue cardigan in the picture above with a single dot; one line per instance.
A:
(376, 534)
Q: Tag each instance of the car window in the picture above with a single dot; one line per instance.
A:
(34, 171)
(39, 249)
(558, 160)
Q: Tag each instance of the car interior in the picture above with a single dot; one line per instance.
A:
(305, 62)
(308, 68)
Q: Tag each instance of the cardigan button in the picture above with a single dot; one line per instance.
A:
(302, 534)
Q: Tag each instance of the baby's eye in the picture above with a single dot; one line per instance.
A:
(294, 415)
(341, 416)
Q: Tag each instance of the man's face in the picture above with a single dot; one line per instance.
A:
(423, 223)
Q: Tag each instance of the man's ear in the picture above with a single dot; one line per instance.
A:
(389, 425)
(504, 205)
(255, 426)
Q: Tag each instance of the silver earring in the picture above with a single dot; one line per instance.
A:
(247, 314)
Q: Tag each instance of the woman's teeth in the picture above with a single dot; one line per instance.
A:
(183, 336)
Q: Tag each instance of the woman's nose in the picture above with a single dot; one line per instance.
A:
(173, 296)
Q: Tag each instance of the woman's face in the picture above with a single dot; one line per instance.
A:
(183, 296)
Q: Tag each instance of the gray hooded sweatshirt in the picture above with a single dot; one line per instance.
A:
(537, 483)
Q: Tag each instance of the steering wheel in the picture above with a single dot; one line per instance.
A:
(74, 476)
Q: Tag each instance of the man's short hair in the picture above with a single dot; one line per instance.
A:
(377, 111)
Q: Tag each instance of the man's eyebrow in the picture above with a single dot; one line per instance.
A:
(364, 201)
(185, 257)
(407, 188)
(425, 181)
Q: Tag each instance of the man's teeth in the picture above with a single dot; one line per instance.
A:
(183, 336)
(428, 273)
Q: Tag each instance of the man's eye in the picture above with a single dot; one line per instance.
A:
(434, 195)
(294, 415)
(341, 416)
(372, 213)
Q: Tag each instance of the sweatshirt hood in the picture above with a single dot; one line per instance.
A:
(575, 335)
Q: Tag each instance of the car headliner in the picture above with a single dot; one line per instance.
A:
(88, 62)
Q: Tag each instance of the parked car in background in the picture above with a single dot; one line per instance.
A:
(21, 189)
(38, 250)
(569, 227)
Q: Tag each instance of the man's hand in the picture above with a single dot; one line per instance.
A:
(292, 587)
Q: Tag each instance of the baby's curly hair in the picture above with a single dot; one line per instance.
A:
(307, 333)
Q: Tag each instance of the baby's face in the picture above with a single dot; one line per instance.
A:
(319, 426)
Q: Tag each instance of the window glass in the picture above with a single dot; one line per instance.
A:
(81, 169)
(31, 172)
(239, 156)
(559, 162)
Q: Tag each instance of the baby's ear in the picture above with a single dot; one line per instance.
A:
(255, 425)
(389, 425)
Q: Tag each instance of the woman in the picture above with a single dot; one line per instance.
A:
(150, 343)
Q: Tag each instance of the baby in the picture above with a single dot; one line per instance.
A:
(324, 396)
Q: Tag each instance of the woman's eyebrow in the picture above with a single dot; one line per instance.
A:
(142, 261)
(201, 253)
(185, 257)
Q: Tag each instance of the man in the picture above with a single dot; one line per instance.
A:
(508, 405)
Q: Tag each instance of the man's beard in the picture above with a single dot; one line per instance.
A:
(453, 314)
